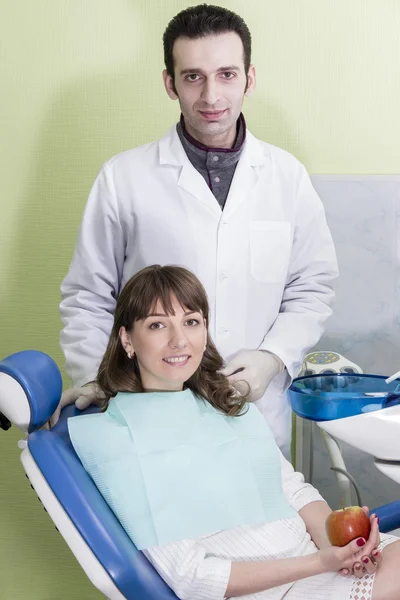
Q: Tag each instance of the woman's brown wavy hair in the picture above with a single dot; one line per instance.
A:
(138, 299)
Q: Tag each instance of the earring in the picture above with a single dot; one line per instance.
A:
(130, 354)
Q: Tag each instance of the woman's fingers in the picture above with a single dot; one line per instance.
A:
(369, 565)
(373, 540)
(358, 569)
(366, 510)
(374, 535)
(376, 557)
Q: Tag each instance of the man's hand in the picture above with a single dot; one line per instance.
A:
(83, 397)
(257, 368)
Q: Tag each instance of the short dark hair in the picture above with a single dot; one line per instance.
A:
(202, 20)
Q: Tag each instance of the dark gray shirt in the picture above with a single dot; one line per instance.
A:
(216, 165)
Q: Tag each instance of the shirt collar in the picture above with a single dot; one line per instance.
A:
(200, 155)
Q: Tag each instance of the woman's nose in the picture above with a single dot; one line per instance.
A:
(178, 340)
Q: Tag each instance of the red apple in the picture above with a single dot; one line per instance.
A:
(346, 524)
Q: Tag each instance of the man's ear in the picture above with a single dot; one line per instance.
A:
(169, 85)
(251, 81)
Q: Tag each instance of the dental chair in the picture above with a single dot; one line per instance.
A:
(361, 410)
(30, 390)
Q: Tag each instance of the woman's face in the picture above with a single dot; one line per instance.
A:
(168, 348)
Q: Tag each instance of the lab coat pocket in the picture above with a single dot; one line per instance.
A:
(270, 248)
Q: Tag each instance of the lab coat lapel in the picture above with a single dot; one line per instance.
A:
(250, 166)
(171, 152)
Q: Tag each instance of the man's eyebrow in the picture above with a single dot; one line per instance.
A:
(196, 71)
(229, 68)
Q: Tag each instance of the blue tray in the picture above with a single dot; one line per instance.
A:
(328, 397)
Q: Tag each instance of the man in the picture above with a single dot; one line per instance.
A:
(240, 213)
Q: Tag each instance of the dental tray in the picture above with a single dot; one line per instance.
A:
(339, 395)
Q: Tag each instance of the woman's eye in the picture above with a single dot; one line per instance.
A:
(156, 325)
(192, 322)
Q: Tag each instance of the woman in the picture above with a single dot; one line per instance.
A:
(193, 473)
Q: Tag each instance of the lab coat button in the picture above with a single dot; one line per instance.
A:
(223, 276)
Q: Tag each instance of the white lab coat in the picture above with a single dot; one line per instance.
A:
(267, 260)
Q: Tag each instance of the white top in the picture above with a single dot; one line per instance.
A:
(198, 569)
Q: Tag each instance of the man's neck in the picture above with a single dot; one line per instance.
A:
(225, 140)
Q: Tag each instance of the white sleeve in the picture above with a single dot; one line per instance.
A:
(92, 285)
(189, 572)
(308, 293)
(297, 491)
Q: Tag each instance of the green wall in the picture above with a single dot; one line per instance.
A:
(81, 82)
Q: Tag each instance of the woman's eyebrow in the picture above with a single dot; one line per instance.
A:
(189, 312)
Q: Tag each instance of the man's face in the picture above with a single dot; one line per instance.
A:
(210, 84)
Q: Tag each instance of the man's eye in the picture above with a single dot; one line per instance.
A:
(229, 75)
(192, 77)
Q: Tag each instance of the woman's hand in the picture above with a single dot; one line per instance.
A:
(358, 556)
(375, 557)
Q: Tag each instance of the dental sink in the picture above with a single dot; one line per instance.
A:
(359, 409)
(377, 433)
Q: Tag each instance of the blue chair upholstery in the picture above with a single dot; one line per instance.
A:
(389, 516)
(41, 381)
(131, 572)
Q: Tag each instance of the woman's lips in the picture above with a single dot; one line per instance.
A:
(180, 361)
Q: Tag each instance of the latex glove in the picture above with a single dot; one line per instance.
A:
(257, 368)
(82, 396)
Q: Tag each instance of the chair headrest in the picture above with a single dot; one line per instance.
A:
(32, 394)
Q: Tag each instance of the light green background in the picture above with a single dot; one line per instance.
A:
(80, 81)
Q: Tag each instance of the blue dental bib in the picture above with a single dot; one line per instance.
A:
(173, 467)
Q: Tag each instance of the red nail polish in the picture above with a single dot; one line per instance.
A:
(365, 560)
(375, 553)
(360, 542)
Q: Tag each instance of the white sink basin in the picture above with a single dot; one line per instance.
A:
(377, 433)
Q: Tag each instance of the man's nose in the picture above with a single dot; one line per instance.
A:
(210, 92)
